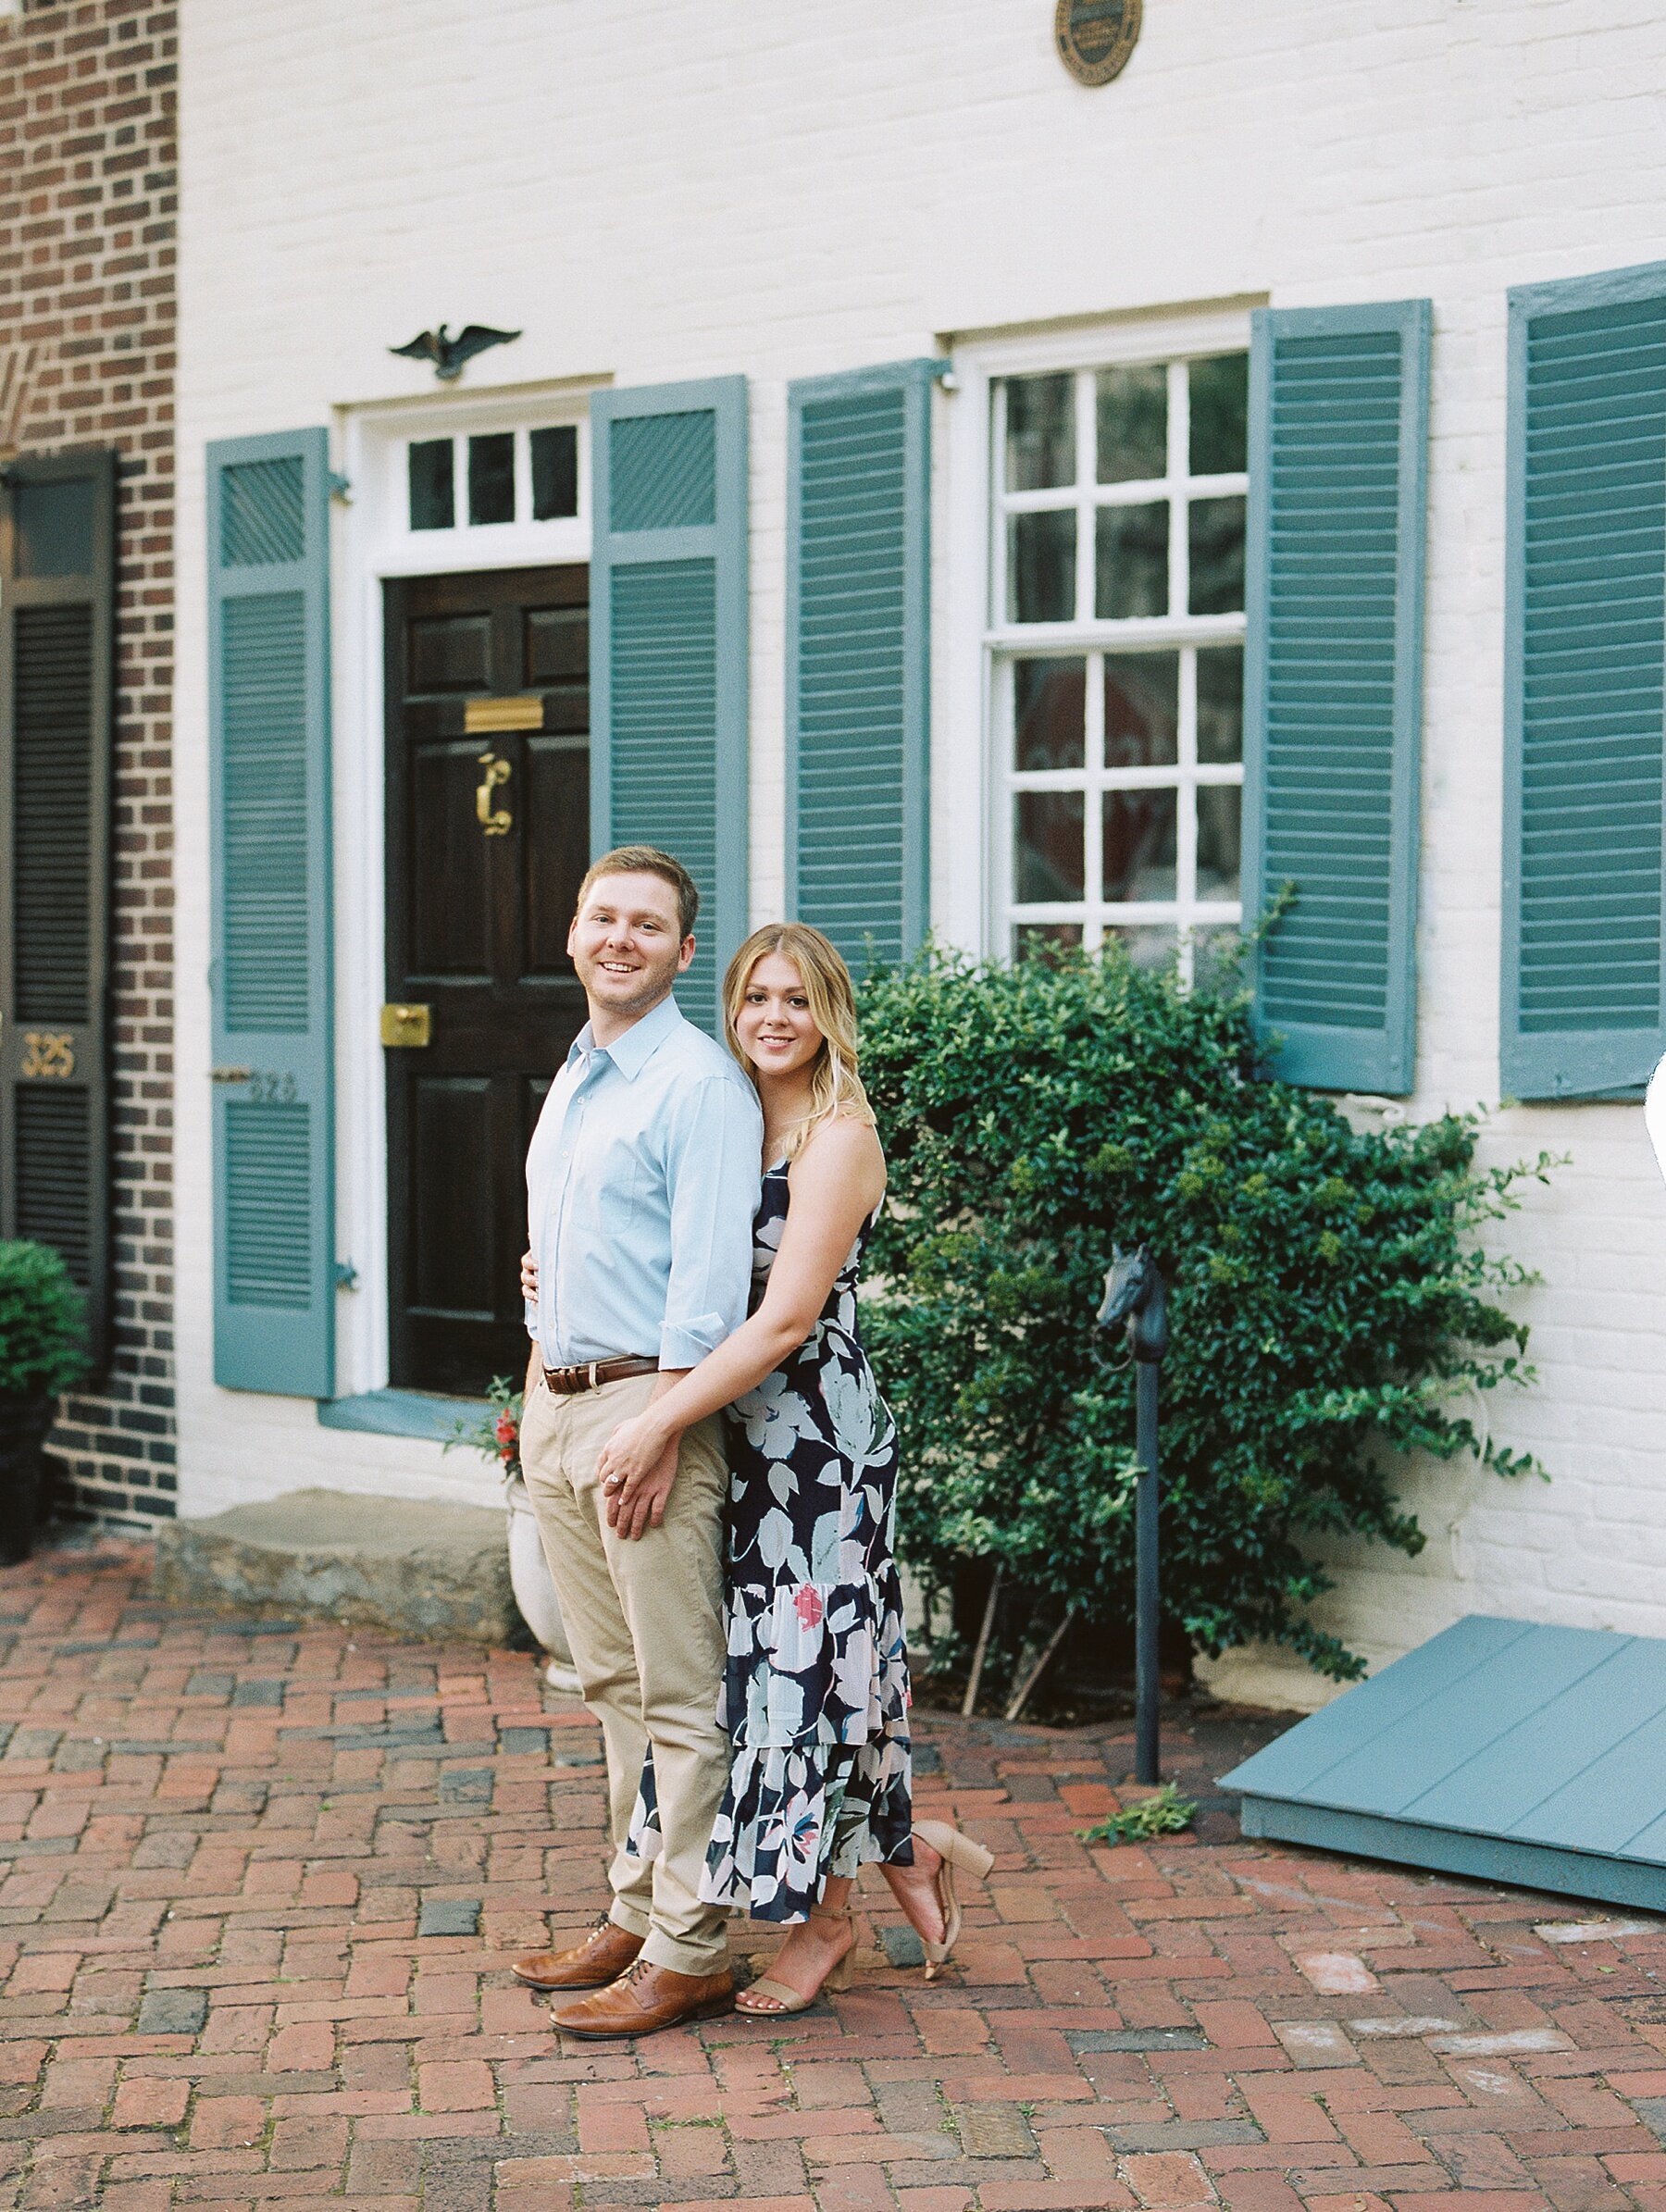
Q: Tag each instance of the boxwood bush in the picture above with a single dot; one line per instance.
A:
(1332, 1302)
(41, 1323)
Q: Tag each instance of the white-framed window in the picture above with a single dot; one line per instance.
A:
(492, 478)
(476, 481)
(1114, 636)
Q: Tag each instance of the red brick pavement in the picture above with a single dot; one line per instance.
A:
(256, 1881)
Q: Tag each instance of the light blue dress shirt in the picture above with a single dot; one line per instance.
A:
(643, 1181)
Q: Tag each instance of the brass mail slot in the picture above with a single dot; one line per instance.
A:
(482, 716)
(406, 1024)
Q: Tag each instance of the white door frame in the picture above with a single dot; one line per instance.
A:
(375, 543)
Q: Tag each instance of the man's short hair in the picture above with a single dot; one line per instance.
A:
(646, 859)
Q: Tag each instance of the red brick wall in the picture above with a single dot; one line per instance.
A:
(87, 219)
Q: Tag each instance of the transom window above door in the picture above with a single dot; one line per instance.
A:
(491, 478)
(1116, 644)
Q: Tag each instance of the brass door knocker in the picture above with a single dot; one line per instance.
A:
(494, 822)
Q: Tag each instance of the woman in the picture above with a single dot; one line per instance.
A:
(815, 1695)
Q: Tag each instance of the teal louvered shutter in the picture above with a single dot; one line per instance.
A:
(274, 1140)
(669, 632)
(858, 656)
(57, 645)
(1584, 998)
(1333, 685)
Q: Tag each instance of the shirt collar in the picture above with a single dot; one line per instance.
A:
(631, 1052)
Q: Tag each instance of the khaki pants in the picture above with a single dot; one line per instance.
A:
(645, 1623)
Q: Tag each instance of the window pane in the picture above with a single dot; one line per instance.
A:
(1220, 405)
(1215, 956)
(491, 478)
(1048, 697)
(554, 473)
(1041, 433)
(1139, 844)
(1221, 705)
(1143, 710)
(1048, 850)
(431, 465)
(1220, 809)
(1038, 940)
(1148, 948)
(1216, 527)
(1041, 567)
(1133, 424)
(1133, 551)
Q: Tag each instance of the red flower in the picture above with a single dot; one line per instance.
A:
(506, 1428)
(808, 1607)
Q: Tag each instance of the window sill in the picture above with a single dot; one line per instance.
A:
(399, 1413)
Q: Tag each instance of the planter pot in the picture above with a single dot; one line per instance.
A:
(534, 1590)
(23, 1425)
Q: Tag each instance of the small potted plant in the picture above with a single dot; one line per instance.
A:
(42, 1353)
(496, 1433)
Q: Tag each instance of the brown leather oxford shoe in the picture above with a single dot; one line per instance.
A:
(647, 1998)
(601, 1957)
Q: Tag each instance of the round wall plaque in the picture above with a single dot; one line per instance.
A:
(1096, 37)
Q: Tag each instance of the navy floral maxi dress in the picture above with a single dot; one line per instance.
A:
(815, 1691)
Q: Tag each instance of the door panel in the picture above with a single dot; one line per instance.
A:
(452, 1247)
(556, 650)
(450, 937)
(450, 652)
(558, 793)
(478, 916)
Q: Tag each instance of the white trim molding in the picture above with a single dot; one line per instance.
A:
(375, 544)
(975, 899)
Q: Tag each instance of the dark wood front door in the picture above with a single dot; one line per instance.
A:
(488, 840)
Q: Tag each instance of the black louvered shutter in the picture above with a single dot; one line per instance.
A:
(56, 640)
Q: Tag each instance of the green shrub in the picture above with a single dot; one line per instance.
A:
(1331, 1305)
(43, 1323)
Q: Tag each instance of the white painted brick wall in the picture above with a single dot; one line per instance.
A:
(703, 186)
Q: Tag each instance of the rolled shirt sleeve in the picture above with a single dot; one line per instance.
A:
(713, 1173)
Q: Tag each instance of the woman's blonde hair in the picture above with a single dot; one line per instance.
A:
(834, 1085)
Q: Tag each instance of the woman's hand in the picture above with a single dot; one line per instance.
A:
(634, 1447)
(637, 1467)
(529, 1275)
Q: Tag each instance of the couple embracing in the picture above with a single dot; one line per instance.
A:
(714, 1470)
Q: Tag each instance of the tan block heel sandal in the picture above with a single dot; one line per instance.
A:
(955, 1850)
(836, 1976)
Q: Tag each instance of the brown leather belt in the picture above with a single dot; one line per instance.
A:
(566, 1382)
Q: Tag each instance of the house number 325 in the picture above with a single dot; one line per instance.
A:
(48, 1052)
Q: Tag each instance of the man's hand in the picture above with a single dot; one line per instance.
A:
(639, 1504)
(534, 1358)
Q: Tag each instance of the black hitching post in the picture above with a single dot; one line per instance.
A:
(1137, 1296)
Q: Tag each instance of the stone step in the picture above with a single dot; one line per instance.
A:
(438, 1573)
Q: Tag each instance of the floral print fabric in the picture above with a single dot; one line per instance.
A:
(815, 1690)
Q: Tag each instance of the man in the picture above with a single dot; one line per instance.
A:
(643, 1181)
